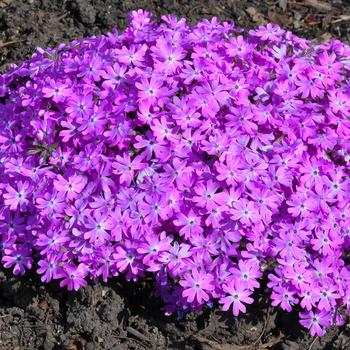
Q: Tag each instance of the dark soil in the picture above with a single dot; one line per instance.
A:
(127, 316)
(49, 22)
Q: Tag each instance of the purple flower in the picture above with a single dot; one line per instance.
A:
(247, 273)
(197, 286)
(114, 76)
(17, 197)
(79, 106)
(284, 296)
(52, 241)
(126, 258)
(237, 295)
(56, 90)
(97, 226)
(17, 256)
(315, 321)
(152, 249)
(245, 211)
(73, 276)
(196, 155)
(49, 267)
(151, 90)
(71, 187)
(51, 203)
(189, 223)
(125, 168)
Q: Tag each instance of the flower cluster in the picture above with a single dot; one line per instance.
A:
(194, 154)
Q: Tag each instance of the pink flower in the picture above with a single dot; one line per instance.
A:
(132, 55)
(327, 297)
(152, 249)
(73, 276)
(71, 187)
(299, 275)
(190, 224)
(197, 286)
(309, 298)
(315, 321)
(247, 272)
(244, 211)
(238, 46)
(97, 226)
(17, 256)
(326, 242)
(206, 195)
(339, 102)
(284, 296)
(18, 198)
(269, 32)
(167, 57)
(151, 90)
(58, 91)
(126, 168)
(126, 258)
(338, 184)
(176, 257)
(237, 295)
(114, 76)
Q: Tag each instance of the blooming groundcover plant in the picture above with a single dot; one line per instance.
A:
(197, 155)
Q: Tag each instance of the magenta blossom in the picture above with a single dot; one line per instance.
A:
(208, 160)
(315, 322)
(197, 286)
(73, 276)
(237, 295)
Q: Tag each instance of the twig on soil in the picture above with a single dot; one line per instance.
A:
(62, 16)
(345, 345)
(257, 344)
(321, 6)
(12, 42)
(193, 9)
(264, 328)
(213, 344)
(216, 346)
(271, 343)
(137, 334)
(342, 18)
(313, 343)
